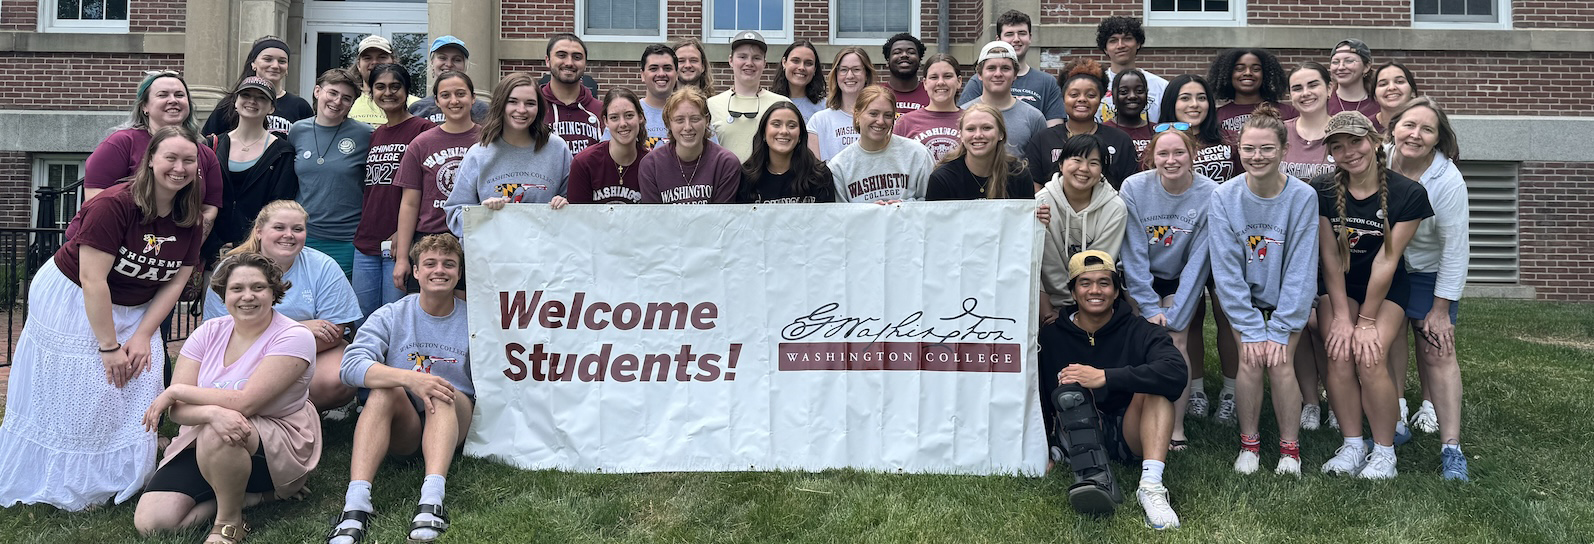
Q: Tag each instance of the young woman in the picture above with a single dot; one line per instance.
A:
(379, 216)
(1264, 244)
(1242, 79)
(1369, 214)
(518, 158)
(1311, 85)
(1166, 205)
(1436, 259)
(332, 149)
(1351, 63)
(259, 166)
(694, 69)
(1393, 86)
(240, 391)
(1191, 107)
(1087, 214)
(797, 78)
(1083, 86)
(79, 380)
(162, 100)
(606, 172)
(883, 168)
(268, 60)
(783, 169)
(427, 174)
(1130, 97)
(935, 126)
(832, 128)
(981, 166)
(691, 169)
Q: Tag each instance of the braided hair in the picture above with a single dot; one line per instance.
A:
(1341, 185)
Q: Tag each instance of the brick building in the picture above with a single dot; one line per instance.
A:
(1515, 74)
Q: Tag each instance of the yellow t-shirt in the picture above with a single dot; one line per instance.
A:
(366, 111)
(736, 134)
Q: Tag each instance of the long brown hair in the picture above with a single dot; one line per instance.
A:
(493, 129)
(1003, 165)
(705, 83)
(1342, 185)
(189, 201)
(834, 87)
(252, 243)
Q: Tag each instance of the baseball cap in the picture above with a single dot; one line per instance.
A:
(1348, 122)
(256, 83)
(1356, 46)
(749, 37)
(376, 42)
(997, 50)
(1090, 260)
(445, 41)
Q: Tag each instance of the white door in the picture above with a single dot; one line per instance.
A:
(332, 31)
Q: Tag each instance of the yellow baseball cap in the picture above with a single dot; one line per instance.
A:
(1088, 261)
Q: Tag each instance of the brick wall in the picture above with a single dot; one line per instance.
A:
(536, 19)
(1066, 12)
(19, 14)
(1556, 209)
(16, 189)
(1552, 14)
(1313, 13)
(75, 81)
(156, 15)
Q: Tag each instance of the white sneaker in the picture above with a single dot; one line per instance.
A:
(1311, 416)
(1380, 466)
(1425, 420)
(1225, 413)
(1288, 466)
(1405, 414)
(1333, 422)
(342, 412)
(1348, 459)
(1198, 404)
(1154, 500)
(1247, 462)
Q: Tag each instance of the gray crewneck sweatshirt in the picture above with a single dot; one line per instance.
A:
(498, 169)
(1167, 235)
(901, 171)
(1264, 255)
(403, 336)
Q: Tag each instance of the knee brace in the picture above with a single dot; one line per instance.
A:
(1079, 430)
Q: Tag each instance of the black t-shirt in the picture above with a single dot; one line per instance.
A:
(289, 108)
(1408, 201)
(1046, 146)
(954, 181)
(776, 189)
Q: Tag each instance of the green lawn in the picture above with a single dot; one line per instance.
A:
(1528, 369)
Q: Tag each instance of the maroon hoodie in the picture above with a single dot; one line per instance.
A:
(577, 123)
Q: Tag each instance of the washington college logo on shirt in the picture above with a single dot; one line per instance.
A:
(423, 363)
(1256, 247)
(1164, 234)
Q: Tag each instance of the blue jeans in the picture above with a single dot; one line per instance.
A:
(373, 282)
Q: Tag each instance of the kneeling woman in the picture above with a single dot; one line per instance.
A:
(250, 433)
(981, 166)
(882, 168)
(783, 168)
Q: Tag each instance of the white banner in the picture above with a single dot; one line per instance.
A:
(768, 337)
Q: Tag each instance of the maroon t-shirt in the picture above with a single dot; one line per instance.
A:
(1232, 117)
(120, 154)
(147, 255)
(1219, 162)
(1140, 135)
(1368, 107)
(936, 130)
(911, 101)
(429, 165)
(596, 179)
(379, 211)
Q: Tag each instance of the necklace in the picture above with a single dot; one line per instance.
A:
(685, 179)
(322, 159)
(247, 146)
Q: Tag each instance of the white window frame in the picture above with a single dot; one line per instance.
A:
(41, 177)
(1234, 17)
(660, 37)
(48, 22)
(1502, 11)
(784, 36)
(913, 28)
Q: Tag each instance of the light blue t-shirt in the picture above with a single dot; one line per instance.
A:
(658, 131)
(319, 290)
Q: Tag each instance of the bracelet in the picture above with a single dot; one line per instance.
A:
(112, 350)
(1367, 318)
(1366, 328)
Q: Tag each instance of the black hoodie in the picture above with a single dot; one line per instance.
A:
(1137, 356)
(245, 193)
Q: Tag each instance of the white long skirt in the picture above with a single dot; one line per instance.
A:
(69, 438)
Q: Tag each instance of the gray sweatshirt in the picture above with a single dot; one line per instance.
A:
(403, 336)
(901, 171)
(502, 170)
(1099, 226)
(1167, 236)
(1264, 255)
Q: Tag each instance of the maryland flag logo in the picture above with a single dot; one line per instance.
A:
(424, 363)
(651, 143)
(152, 243)
(506, 189)
(1256, 247)
(1163, 234)
(1354, 235)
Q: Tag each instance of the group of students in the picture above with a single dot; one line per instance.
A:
(344, 217)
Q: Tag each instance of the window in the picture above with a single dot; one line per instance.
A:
(724, 18)
(1461, 13)
(1196, 12)
(58, 171)
(866, 22)
(83, 16)
(621, 20)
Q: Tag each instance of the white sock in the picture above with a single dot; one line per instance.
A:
(358, 498)
(1456, 447)
(1228, 387)
(1426, 405)
(1355, 443)
(1380, 448)
(431, 493)
(1403, 410)
(1196, 386)
(1151, 472)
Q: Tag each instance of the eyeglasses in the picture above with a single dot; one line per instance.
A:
(1265, 151)
(1163, 127)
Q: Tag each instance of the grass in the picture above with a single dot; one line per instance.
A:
(1528, 428)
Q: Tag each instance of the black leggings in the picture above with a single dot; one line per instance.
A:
(182, 475)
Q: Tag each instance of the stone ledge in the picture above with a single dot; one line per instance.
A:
(55, 131)
(133, 42)
(1321, 37)
(1476, 290)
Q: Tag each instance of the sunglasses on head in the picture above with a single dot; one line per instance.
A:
(1163, 127)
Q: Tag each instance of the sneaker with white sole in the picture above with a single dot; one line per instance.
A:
(1311, 417)
(1380, 466)
(1402, 433)
(1425, 420)
(1453, 465)
(1154, 501)
(1288, 465)
(1247, 462)
(342, 412)
(1333, 422)
(1405, 413)
(1347, 459)
(1198, 404)
(1225, 413)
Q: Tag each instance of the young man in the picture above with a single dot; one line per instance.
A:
(573, 112)
(1121, 39)
(448, 54)
(999, 66)
(1035, 87)
(903, 54)
(658, 77)
(692, 66)
(414, 356)
(735, 112)
(374, 50)
(1108, 380)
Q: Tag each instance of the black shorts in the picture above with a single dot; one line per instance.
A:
(1112, 437)
(1164, 288)
(181, 475)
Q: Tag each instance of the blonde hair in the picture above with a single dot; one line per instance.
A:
(871, 94)
(252, 243)
(1341, 178)
(1005, 164)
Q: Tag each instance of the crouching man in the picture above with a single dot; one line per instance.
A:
(413, 355)
(1108, 382)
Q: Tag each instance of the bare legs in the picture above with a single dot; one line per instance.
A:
(1286, 394)
(1356, 388)
(326, 388)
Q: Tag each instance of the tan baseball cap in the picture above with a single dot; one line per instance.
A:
(1090, 260)
(375, 41)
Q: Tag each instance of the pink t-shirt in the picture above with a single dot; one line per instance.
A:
(430, 164)
(936, 130)
(208, 345)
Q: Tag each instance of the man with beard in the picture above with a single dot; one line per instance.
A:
(903, 54)
(572, 108)
(1035, 87)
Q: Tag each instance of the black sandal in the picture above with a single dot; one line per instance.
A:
(439, 526)
(357, 533)
(1178, 445)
